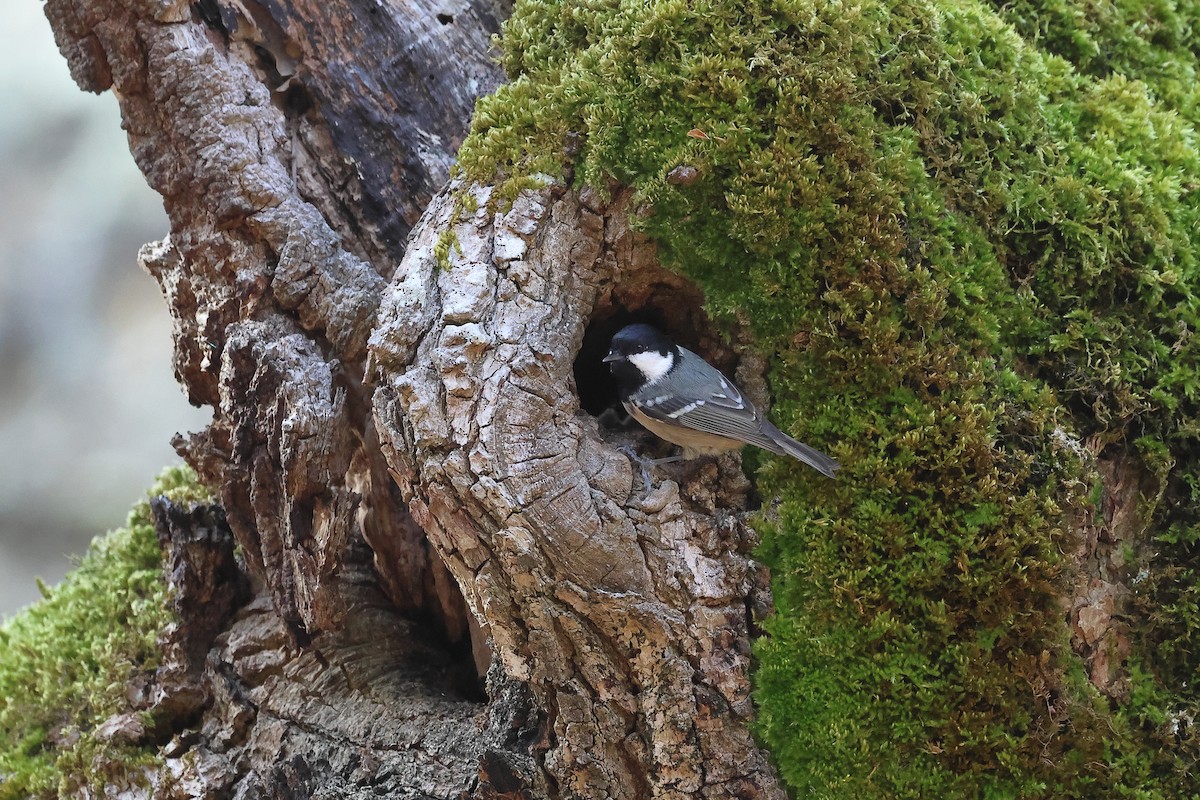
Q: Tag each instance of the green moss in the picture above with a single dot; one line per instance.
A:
(959, 230)
(446, 241)
(65, 661)
(1151, 39)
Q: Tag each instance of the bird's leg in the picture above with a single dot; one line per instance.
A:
(632, 454)
(644, 463)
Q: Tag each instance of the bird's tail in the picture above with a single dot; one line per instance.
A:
(787, 446)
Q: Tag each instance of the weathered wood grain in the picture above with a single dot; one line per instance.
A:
(293, 145)
(373, 711)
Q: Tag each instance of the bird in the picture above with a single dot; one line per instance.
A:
(680, 397)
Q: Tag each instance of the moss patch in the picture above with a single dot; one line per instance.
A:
(65, 661)
(964, 233)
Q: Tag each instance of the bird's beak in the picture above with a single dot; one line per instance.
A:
(613, 355)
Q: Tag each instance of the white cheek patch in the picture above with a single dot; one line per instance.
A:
(652, 364)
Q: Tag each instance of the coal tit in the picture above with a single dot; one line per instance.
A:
(678, 396)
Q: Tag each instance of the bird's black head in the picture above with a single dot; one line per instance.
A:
(639, 355)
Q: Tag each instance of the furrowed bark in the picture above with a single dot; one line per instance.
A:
(294, 145)
(374, 711)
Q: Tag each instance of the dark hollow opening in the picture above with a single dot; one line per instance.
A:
(595, 384)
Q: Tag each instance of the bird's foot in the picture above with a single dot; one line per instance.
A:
(644, 464)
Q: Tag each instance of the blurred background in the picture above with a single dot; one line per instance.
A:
(88, 402)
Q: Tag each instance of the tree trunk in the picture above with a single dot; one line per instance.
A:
(624, 609)
(391, 436)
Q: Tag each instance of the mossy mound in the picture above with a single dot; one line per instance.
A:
(66, 661)
(964, 233)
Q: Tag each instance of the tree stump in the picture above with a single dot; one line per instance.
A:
(371, 488)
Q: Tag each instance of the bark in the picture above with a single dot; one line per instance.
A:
(296, 145)
(1112, 541)
(286, 218)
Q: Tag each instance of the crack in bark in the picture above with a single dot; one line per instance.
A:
(311, 715)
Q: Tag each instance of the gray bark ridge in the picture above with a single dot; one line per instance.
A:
(624, 609)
